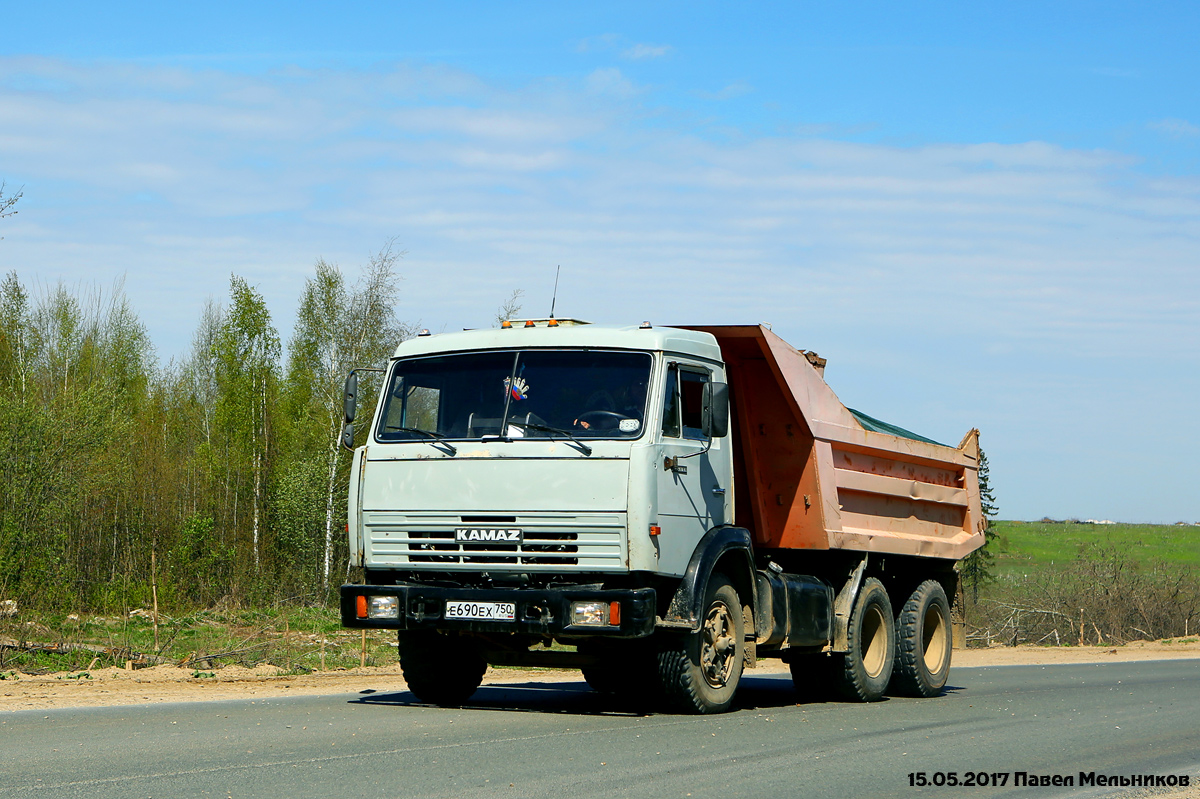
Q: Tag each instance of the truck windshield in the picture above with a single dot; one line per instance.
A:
(583, 393)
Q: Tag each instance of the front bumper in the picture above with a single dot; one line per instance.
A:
(539, 611)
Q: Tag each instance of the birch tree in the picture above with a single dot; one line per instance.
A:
(247, 358)
(16, 332)
(339, 327)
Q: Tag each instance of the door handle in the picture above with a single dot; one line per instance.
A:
(718, 491)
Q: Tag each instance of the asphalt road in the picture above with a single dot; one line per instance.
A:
(548, 740)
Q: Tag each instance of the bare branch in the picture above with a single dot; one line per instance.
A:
(510, 308)
(7, 203)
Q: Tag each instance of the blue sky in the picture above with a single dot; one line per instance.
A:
(983, 216)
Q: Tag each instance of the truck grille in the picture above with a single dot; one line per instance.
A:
(584, 543)
(558, 549)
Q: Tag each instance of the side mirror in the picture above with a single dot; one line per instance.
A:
(714, 410)
(348, 435)
(350, 401)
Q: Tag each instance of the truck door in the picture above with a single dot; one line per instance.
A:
(693, 484)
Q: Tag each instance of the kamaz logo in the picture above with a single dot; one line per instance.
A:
(467, 535)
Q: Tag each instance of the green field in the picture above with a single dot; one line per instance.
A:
(1031, 547)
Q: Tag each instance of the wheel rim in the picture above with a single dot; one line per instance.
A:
(934, 639)
(718, 646)
(874, 641)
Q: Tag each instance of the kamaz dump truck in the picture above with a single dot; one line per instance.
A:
(658, 507)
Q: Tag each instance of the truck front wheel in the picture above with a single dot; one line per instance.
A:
(700, 671)
(864, 671)
(440, 669)
(923, 642)
(624, 669)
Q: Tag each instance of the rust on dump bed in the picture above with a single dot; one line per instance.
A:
(815, 478)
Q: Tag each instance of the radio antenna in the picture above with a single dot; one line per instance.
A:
(554, 297)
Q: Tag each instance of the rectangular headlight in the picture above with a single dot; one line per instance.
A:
(383, 607)
(589, 614)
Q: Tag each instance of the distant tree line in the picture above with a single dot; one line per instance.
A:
(217, 477)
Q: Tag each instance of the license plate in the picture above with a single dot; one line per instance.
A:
(481, 611)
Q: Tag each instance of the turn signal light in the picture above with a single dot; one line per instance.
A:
(614, 614)
(360, 606)
(655, 530)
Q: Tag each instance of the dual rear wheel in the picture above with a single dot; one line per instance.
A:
(923, 642)
(906, 654)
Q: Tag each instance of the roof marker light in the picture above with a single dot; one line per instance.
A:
(552, 323)
(505, 325)
(424, 332)
(645, 326)
(529, 323)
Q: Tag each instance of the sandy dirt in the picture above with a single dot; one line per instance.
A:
(112, 686)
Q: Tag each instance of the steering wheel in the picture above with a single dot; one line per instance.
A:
(595, 417)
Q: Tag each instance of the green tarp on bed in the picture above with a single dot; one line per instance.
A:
(877, 426)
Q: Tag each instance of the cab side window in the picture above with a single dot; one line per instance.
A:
(691, 390)
(681, 402)
(670, 417)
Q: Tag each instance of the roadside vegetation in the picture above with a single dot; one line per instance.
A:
(1070, 583)
(296, 639)
(213, 480)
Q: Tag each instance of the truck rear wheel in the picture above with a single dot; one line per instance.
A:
(700, 672)
(923, 642)
(440, 669)
(866, 669)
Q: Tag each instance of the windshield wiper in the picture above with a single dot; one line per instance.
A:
(584, 448)
(440, 439)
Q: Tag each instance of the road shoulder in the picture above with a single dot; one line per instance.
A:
(163, 684)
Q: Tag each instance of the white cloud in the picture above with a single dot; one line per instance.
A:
(735, 89)
(610, 81)
(603, 42)
(1175, 128)
(640, 52)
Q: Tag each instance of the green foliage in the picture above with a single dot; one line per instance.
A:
(199, 561)
(298, 515)
(338, 327)
(977, 568)
(213, 479)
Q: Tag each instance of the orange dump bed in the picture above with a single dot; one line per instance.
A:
(808, 475)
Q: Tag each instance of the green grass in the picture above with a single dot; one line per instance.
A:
(1033, 547)
(289, 638)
